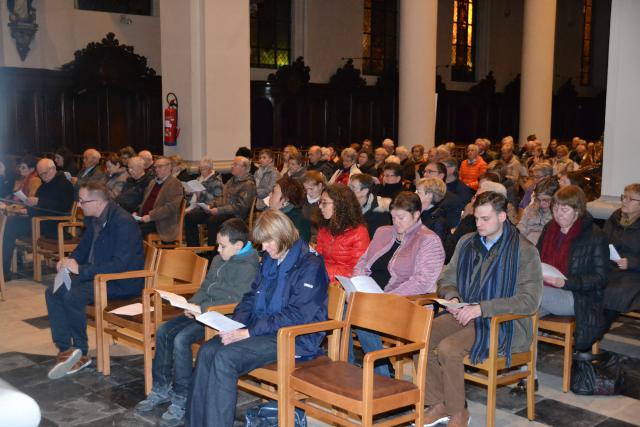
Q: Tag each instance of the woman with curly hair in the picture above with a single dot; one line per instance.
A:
(343, 236)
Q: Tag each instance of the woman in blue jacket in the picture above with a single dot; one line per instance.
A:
(291, 289)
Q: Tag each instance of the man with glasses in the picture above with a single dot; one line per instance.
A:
(132, 193)
(237, 196)
(159, 211)
(111, 243)
(450, 203)
(391, 180)
(53, 198)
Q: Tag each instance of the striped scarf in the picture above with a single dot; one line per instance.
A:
(499, 281)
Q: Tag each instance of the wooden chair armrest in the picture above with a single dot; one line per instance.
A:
(384, 353)
(71, 224)
(501, 318)
(223, 308)
(103, 279)
(291, 332)
(197, 248)
(52, 218)
(421, 296)
(495, 333)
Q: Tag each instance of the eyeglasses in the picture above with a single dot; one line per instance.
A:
(84, 202)
(624, 197)
(430, 172)
(562, 208)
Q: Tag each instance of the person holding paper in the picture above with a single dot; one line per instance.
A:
(405, 258)
(574, 245)
(53, 198)
(160, 207)
(212, 183)
(496, 271)
(622, 229)
(266, 177)
(238, 194)
(111, 243)
(343, 236)
(230, 276)
(28, 180)
(291, 289)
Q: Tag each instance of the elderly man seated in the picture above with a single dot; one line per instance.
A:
(111, 243)
(53, 198)
(90, 168)
(133, 190)
(237, 196)
(159, 211)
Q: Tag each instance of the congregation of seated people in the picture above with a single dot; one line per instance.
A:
(415, 221)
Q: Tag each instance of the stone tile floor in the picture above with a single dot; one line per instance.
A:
(88, 398)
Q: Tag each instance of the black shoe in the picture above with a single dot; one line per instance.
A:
(521, 388)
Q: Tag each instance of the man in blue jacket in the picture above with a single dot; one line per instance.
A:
(111, 243)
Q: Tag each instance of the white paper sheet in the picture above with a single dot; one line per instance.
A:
(136, 217)
(193, 186)
(613, 253)
(219, 321)
(129, 310)
(359, 284)
(266, 201)
(551, 271)
(20, 195)
(67, 175)
(204, 207)
(179, 301)
(62, 277)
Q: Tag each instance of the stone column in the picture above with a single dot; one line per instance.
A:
(621, 126)
(536, 87)
(205, 62)
(417, 65)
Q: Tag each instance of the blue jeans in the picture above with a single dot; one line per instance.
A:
(213, 394)
(67, 314)
(174, 359)
(370, 342)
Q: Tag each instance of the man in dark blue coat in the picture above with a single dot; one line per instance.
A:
(111, 243)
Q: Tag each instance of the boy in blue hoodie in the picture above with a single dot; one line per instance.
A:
(230, 276)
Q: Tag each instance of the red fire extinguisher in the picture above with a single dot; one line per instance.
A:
(171, 130)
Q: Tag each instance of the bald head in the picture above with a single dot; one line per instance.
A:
(147, 157)
(46, 169)
(315, 154)
(90, 158)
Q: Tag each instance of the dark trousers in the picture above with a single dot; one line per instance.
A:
(198, 216)
(174, 359)
(213, 394)
(16, 226)
(67, 314)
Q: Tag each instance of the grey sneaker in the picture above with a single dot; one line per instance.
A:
(66, 360)
(154, 400)
(173, 417)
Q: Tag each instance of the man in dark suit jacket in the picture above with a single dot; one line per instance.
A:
(160, 207)
(111, 243)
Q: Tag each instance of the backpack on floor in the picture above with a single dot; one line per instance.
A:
(266, 415)
(600, 374)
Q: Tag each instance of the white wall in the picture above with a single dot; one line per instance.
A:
(63, 30)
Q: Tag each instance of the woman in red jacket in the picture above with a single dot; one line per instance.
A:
(343, 236)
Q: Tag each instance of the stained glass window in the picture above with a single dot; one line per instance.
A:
(379, 35)
(463, 40)
(585, 63)
(270, 33)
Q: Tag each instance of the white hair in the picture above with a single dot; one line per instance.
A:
(496, 187)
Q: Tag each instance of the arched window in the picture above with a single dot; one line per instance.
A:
(270, 33)
(585, 63)
(379, 35)
(463, 40)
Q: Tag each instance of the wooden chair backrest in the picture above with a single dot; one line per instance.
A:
(183, 208)
(150, 256)
(252, 212)
(335, 311)
(181, 266)
(388, 314)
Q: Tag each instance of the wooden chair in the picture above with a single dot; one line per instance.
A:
(154, 238)
(251, 218)
(264, 381)
(489, 372)
(562, 329)
(350, 388)
(46, 248)
(176, 271)
(3, 223)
